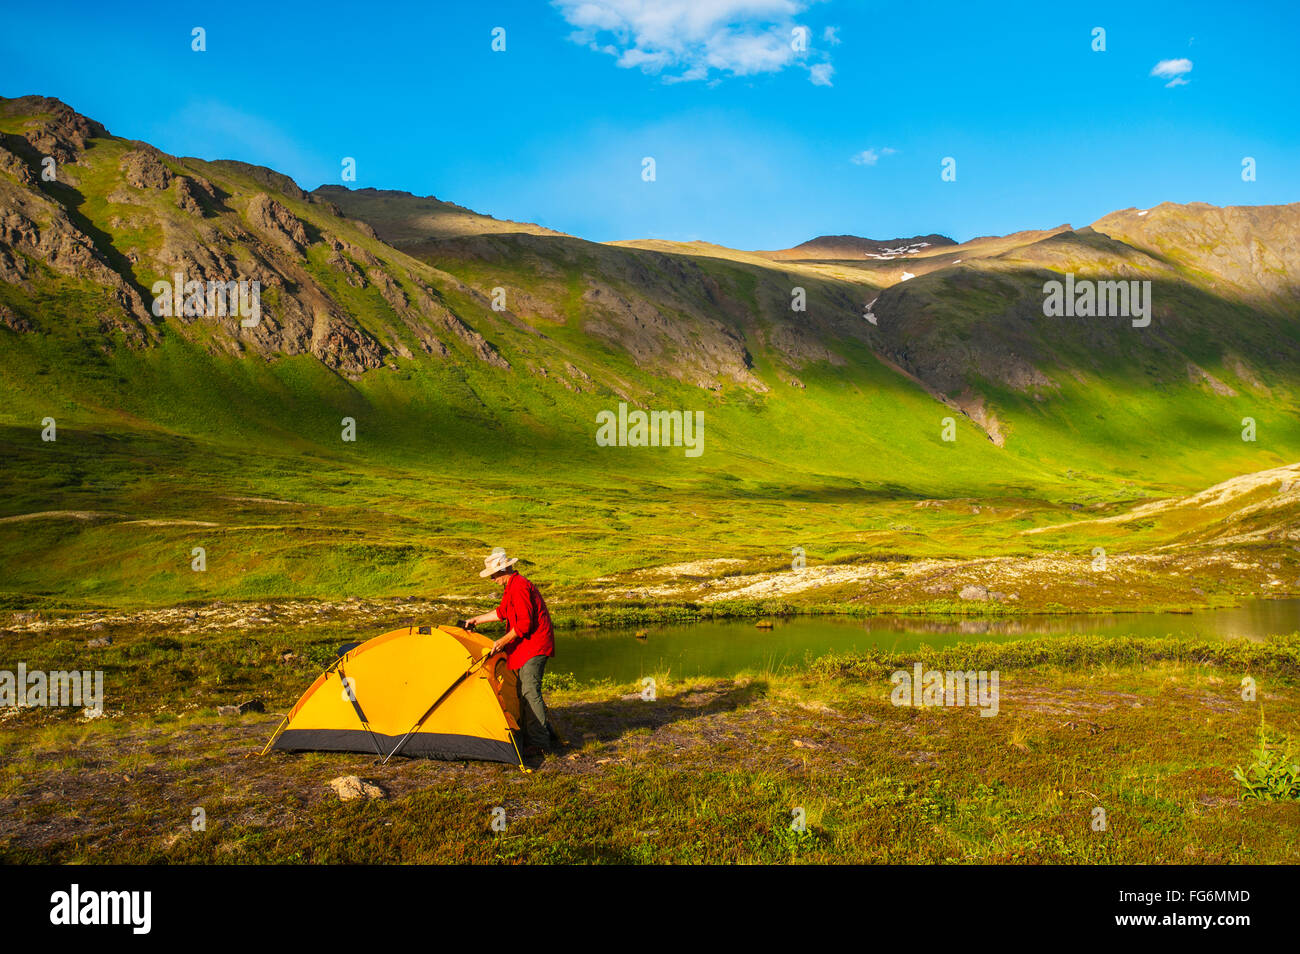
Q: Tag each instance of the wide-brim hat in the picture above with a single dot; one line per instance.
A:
(497, 562)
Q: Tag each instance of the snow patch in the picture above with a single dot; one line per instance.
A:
(869, 314)
(902, 251)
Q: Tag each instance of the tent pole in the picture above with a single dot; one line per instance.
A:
(285, 721)
(513, 741)
(356, 707)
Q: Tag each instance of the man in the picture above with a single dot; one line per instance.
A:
(529, 642)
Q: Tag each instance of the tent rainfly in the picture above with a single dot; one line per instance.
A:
(435, 691)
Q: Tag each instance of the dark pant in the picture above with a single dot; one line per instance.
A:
(537, 723)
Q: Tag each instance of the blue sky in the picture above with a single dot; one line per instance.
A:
(754, 143)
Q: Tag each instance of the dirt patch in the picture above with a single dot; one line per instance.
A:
(61, 515)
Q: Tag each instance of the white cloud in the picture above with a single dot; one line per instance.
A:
(1171, 67)
(831, 36)
(1173, 70)
(869, 157)
(692, 39)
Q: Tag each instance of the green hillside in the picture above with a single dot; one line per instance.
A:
(475, 427)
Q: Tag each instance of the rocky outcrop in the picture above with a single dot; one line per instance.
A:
(55, 129)
(33, 226)
(258, 238)
(195, 195)
(143, 169)
(1253, 249)
(342, 259)
(12, 321)
(1199, 375)
(704, 353)
(444, 318)
(268, 178)
(12, 165)
(799, 346)
(277, 223)
(345, 348)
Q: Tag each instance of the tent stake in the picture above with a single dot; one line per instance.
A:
(274, 736)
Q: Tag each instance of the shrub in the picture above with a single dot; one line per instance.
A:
(1274, 775)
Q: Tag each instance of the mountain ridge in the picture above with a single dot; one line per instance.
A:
(854, 246)
(366, 279)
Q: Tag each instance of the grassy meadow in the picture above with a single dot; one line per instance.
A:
(158, 453)
(711, 770)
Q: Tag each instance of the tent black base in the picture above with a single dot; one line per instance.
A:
(429, 745)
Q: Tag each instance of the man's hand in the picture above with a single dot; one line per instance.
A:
(468, 623)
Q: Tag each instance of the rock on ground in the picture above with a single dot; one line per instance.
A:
(252, 705)
(349, 787)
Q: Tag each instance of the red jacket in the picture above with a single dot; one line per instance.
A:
(524, 610)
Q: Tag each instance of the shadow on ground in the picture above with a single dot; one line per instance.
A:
(611, 720)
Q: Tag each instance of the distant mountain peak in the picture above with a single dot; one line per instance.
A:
(857, 247)
(54, 128)
(403, 218)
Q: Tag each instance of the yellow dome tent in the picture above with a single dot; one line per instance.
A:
(437, 692)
